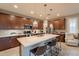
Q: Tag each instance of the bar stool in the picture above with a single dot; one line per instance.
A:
(53, 49)
(39, 51)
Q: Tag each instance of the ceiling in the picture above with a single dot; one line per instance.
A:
(41, 10)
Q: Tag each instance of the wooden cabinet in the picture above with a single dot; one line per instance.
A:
(13, 42)
(17, 23)
(13, 22)
(8, 42)
(58, 24)
(40, 24)
(4, 21)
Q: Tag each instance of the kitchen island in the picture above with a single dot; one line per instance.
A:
(28, 43)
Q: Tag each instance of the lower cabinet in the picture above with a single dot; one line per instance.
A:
(9, 46)
(10, 52)
(8, 42)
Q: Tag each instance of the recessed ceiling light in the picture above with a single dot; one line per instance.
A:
(32, 12)
(58, 14)
(40, 15)
(15, 6)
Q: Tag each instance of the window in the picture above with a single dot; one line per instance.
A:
(73, 26)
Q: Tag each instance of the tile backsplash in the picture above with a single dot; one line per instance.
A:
(8, 32)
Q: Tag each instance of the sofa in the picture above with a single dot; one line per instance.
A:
(72, 39)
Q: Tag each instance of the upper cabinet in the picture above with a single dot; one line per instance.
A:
(16, 22)
(58, 24)
(4, 21)
(40, 24)
(13, 22)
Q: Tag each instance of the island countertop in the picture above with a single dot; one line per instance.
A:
(29, 41)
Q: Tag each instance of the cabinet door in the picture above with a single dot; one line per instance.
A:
(27, 21)
(12, 22)
(17, 23)
(40, 24)
(56, 24)
(8, 42)
(13, 42)
(4, 21)
(62, 24)
(59, 24)
(4, 43)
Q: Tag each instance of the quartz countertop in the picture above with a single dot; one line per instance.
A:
(29, 41)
